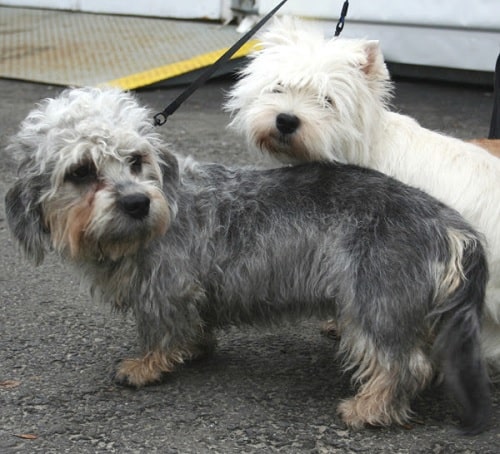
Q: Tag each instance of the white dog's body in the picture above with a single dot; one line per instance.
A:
(306, 98)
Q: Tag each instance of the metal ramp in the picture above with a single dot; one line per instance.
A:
(81, 49)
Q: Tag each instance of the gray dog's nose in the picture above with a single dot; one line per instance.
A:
(287, 123)
(135, 205)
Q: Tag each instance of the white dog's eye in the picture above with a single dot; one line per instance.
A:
(136, 163)
(278, 89)
(329, 101)
(82, 173)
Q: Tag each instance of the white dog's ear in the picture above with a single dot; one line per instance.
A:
(283, 30)
(374, 66)
(24, 217)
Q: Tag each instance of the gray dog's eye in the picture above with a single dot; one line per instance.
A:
(136, 163)
(82, 173)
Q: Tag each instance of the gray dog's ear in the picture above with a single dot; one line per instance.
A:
(24, 217)
(169, 168)
(170, 176)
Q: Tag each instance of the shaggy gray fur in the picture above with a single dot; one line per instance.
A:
(399, 272)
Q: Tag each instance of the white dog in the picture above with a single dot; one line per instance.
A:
(303, 98)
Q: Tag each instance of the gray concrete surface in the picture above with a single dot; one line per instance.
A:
(261, 392)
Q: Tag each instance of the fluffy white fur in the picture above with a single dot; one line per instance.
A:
(339, 90)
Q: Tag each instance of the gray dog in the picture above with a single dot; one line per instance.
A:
(191, 248)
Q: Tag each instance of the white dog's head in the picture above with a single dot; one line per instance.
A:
(302, 97)
(92, 178)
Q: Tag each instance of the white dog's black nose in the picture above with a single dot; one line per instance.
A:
(135, 205)
(287, 123)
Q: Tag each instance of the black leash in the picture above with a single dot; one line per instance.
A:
(161, 117)
(495, 115)
(343, 14)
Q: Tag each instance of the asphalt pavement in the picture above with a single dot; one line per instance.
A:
(261, 392)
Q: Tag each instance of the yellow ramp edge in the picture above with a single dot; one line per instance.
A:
(83, 49)
(172, 70)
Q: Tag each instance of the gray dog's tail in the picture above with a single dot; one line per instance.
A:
(458, 343)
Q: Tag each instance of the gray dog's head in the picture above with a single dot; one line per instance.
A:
(93, 178)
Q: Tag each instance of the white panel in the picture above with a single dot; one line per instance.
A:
(319, 9)
(456, 13)
(186, 9)
(51, 4)
(206, 9)
(449, 48)
(460, 34)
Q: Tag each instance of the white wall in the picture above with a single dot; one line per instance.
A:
(460, 13)
(186, 9)
(461, 34)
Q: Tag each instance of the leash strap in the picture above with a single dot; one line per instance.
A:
(161, 117)
(495, 115)
(343, 14)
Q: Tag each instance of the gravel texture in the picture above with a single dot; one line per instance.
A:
(261, 392)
